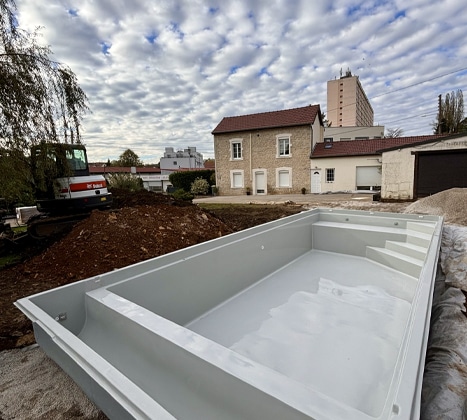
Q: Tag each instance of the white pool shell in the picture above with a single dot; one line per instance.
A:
(320, 315)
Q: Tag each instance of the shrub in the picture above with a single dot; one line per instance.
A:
(125, 181)
(199, 186)
(182, 195)
(185, 179)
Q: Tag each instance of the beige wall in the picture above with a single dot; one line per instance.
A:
(349, 133)
(399, 168)
(259, 155)
(398, 175)
(345, 174)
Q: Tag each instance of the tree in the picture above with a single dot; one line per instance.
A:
(129, 158)
(326, 122)
(15, 185)
(450, 114)
(40, 99)
(394, 132)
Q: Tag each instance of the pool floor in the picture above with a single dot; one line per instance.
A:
(332, 322)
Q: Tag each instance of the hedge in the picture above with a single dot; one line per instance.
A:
(183, 180)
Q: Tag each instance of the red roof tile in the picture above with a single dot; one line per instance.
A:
(122, 169)
(286, 118)
(369, 147)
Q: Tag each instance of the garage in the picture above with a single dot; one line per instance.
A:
(439, 170)
(368, 177)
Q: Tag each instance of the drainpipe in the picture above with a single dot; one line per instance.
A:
(217, 179)
(251, 165)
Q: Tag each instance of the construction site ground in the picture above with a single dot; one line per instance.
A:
(140, 225)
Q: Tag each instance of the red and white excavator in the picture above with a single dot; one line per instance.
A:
(65, 190)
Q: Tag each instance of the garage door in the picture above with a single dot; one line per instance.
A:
(440, 171)
(368, 177)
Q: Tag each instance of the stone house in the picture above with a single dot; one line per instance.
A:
(267, 153)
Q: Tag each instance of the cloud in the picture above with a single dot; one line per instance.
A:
(163, 74)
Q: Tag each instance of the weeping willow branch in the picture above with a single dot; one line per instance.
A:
(40, 99)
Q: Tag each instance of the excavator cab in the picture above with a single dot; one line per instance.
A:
(63, 182)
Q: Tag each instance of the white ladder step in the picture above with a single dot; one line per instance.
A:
(422, 227)
(359, 226)
(411, 250)
(396, 260)
(418, 238)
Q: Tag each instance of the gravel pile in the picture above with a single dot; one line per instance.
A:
(452, 204)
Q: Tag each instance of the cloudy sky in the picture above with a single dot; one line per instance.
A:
(163, 73)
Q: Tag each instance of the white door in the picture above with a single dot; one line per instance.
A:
(260, 182)
(316, 182)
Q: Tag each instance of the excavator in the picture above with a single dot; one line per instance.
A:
(65, 190)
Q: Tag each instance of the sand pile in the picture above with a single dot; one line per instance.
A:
(452, 204)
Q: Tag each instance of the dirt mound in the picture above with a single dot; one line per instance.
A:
(109, 240)
(122, 198)
(452, 204)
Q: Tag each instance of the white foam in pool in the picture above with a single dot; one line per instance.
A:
(334, 310)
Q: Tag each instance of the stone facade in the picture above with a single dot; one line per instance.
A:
(260, 168)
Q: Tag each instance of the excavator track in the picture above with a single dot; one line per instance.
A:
(44, 226)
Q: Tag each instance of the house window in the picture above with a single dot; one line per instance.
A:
(175, 163)
(236, 179)
(236, 149)
(284, 177)
(330, 174)
(328, 142)
(283, 145)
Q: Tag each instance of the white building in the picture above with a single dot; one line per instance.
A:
(180, 160)
(353, 133)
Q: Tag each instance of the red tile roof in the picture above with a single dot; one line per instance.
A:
(209, 164)
(369, 147)
(286, 118)
(122, 169)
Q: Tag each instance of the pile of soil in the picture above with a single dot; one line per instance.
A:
(141, 225)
